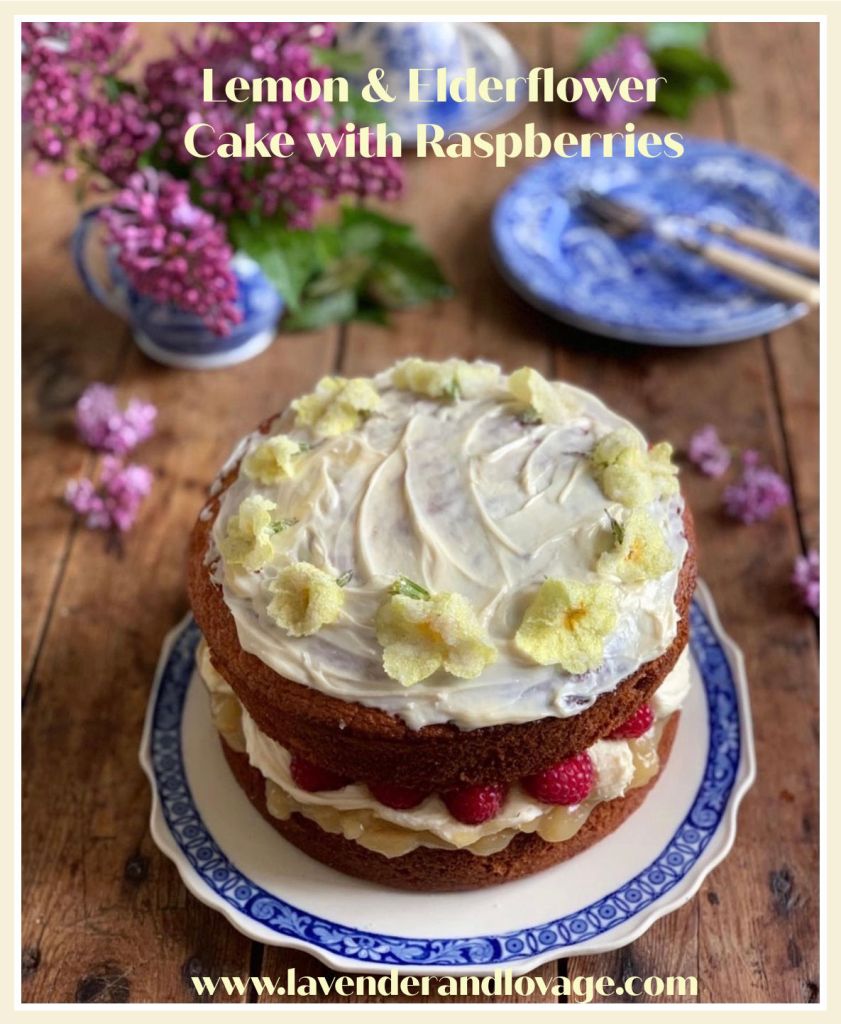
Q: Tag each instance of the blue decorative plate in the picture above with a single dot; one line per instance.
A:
(640, 288)
(232, 860)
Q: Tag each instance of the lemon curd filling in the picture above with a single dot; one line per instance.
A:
(620, 765)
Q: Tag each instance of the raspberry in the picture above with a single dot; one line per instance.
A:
(400, 798)
(567, 782)
(475, 804)
(310, 777)
(632, 728)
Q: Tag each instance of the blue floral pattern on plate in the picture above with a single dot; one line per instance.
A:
(221, 876)
(640, 288)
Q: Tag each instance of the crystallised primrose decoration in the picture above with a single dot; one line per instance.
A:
(445, 615)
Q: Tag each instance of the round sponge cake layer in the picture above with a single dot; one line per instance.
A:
(370, 745)
(433, 870)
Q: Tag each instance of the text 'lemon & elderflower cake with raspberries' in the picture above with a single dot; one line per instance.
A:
(445, 616)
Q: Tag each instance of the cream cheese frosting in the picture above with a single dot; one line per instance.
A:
(619, 765)
(459, 496)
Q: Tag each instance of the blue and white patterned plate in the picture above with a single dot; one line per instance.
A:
(640, 288)
(232, 860)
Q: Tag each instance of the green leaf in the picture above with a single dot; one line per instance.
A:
(596, 39)
(661, 34)
(370, 314)
(617, 530)
(690, 76)
(342, 62)
(288, 258)
(359, 268)
(279, 525)
(408, 588)
(355, 218)
(347, 272)
(115, 87)
(686, 63)
(528, 416)
(314, 314)
(357, 109)
(405, 276)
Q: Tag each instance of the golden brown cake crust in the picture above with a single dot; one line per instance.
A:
(368, 744)
(430, 870)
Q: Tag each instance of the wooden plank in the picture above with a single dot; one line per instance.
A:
(759, 924)
(775, 103)
(669, 949)
(56, 366)
(450, 202)
(88, 697)
(779, 114)
(670, 393)
(795, 365)
(59, 361)
(106, 917)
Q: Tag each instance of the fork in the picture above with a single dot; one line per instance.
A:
(625, 220)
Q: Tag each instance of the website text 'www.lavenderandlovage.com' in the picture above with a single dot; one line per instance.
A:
(582, 988)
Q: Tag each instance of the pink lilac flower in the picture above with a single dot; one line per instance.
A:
(293, 188)
(102, 425)
(758, 493)
(708, 453)
(807, 580)
(172, 251)
(114, 502)
(628, 58)
(76, 111)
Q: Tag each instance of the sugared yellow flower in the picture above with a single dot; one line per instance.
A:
(567, 623)
(630, 473)
(639, 551)
(248, 535)
(336, 406)
(453, 378)
(541, 400)
(419, 635)
(273, 460)
(305, 599)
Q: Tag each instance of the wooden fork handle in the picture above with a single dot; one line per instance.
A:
(777, 280)
(776, 246)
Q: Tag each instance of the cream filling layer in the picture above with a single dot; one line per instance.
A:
(620, 765)
(458, 496)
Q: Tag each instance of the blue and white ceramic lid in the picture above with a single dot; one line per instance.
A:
(456, 46)
(640, 288)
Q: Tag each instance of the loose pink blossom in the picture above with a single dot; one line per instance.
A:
(114, 502)
(104, 426)
(757, 494)
(708, 453)
(806, 578)
(627, 58)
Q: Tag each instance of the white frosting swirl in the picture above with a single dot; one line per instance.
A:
(459, 497)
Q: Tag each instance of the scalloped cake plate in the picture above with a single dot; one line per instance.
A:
(640, 288)
(232, 860)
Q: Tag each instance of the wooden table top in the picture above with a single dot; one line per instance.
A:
(105, 916)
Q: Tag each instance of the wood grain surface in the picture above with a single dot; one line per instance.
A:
(105, 916)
